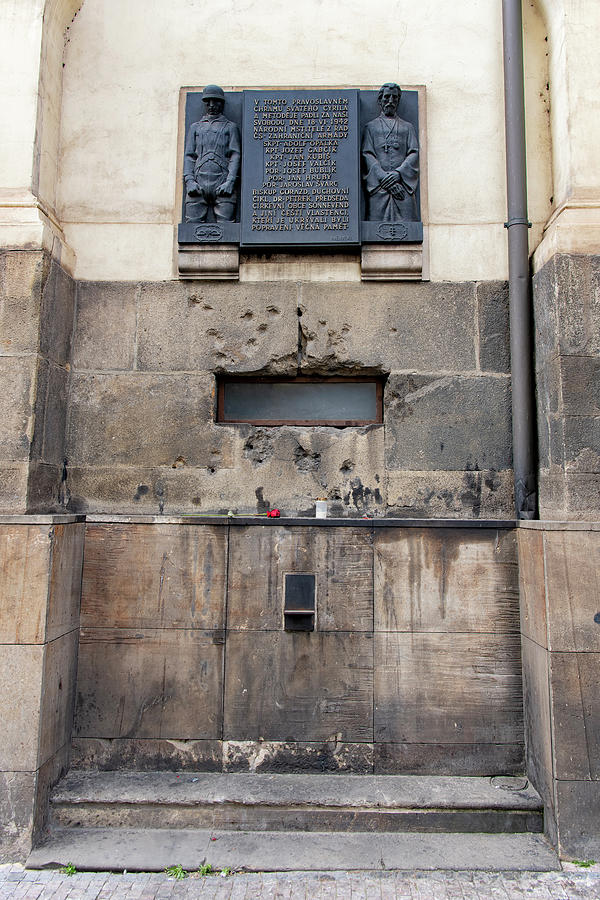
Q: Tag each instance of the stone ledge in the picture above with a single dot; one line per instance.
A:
(552, 525)
(96, 518)
(51, 519)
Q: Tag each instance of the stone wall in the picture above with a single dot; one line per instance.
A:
(567, 305)
(184, 663)
(560, 621)
(142, 435)
(40, 582)
(36, 321)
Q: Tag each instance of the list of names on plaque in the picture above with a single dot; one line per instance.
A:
(300, 168)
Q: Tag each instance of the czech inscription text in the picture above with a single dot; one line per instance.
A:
(302, 181)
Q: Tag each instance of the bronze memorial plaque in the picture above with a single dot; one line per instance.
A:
(300, 169)
(277, 169)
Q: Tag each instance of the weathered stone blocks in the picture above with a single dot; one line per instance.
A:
(150, 683)
(145, 420)
(419, 624)
(257, 568)
(218, 327)
(299, 686)
(445, 581)
(449, 495)
(36, 324)
(493, 321)
(104, 338)
(416, 327)
(447, 422)
(159, 577)
(40, 577)
(561, 660)
(425, 691)
(567, 299)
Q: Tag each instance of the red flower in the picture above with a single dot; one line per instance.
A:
(273, 514)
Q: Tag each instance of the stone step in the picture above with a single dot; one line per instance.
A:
(152, 850)
(301, 803)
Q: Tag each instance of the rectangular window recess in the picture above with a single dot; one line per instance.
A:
(301, 401)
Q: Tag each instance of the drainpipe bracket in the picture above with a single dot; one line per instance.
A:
(517, 221)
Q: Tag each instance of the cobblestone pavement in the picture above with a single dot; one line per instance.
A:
(571, 884)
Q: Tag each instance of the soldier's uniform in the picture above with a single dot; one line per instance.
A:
(212, 156)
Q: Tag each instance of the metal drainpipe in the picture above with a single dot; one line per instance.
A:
(521, 346)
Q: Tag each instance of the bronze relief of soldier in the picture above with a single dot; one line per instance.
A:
(212, 162)
(390, 157)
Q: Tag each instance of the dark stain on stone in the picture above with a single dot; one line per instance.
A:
(288, 759)
(471, 496)
(306, 460)
(362, 497)
(262, 505)
(491, 480)
(159, 495)
(142, 490)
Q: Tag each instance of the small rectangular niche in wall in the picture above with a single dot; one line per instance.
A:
(299, 602)
(301, 401)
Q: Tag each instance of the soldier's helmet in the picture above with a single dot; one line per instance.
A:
(213, 92)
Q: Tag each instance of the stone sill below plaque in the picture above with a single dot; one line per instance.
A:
(209, 261)
(378, 262)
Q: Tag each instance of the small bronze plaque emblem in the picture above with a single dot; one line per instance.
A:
(392, 231)
(209, 232)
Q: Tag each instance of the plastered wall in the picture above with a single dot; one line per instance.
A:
(124, 65)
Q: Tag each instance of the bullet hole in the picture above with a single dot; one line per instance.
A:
(194, 300)
(306, 460)
(274, 310)
(597, 618)
(142, 490)
(60, 684)
(258, 447)
(346, 466)
(179, 462)
(196, 501)
(247, 315)
(299, 312)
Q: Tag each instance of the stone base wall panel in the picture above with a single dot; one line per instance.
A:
(560, 635)
(40, 577)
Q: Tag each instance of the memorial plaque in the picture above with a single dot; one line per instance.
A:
(300, 168)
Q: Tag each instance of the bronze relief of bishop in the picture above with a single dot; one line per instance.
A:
(390, 156)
